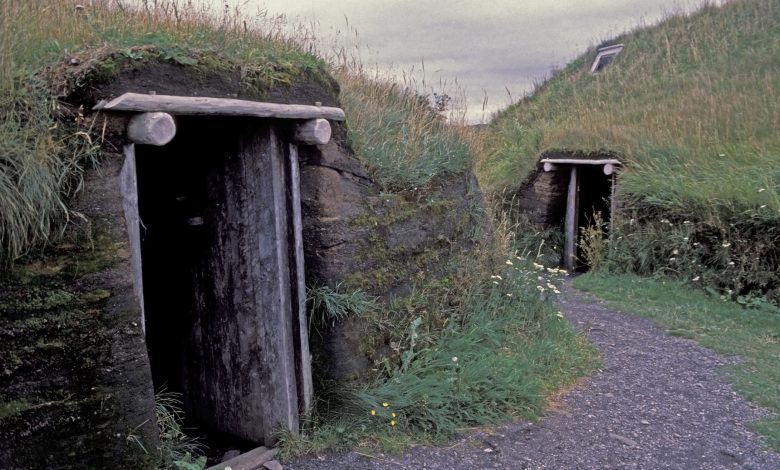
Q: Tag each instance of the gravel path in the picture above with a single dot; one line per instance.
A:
(658, 403)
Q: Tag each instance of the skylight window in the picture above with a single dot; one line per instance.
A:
(605, 56)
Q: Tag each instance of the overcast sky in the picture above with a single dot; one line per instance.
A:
(488, 47)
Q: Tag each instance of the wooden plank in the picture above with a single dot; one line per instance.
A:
(242, 368)
(128, 188)
(572, 216)
(298, 284)
(197, 105)
(251, 460)
(282, 319)
(575, 161)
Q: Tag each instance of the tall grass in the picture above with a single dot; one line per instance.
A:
(499, 362)
(397, 133)
(176, 446)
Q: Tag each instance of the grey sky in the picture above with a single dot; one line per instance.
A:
(489, 47)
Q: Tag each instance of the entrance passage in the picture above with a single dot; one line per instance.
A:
(589, 192)
(211, 194)
(215, 248)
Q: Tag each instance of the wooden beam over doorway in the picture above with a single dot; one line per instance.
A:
(203, 106)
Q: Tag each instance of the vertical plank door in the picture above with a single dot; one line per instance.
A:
(241, 371)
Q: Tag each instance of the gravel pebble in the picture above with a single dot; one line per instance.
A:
(658, 403)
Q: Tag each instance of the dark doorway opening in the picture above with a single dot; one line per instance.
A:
(216, 269)
(172, 197)
(595, 196)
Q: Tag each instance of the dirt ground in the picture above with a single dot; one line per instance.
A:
(658, 403)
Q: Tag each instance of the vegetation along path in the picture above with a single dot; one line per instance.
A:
(658, 402)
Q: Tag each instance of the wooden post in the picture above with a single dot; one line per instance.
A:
(572, 221)
(612, 211)
(128, 188)
(151, 128)
(298, 287)
(313, 132)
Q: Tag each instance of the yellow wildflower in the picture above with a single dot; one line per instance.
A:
(392, 422)
(385, 404)
(373, 412)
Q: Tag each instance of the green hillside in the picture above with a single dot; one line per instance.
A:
(691, 106)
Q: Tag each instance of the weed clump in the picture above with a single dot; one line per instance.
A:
(177, 449)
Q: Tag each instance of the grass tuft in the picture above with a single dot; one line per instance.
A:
(397, 134)
(176, 447)
(327, 306)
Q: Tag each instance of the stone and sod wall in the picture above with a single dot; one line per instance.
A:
(76, 387)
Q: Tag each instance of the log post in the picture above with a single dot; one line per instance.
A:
(128, 188)
(609, 168)
(298, 287)
(572, 216)
(151, 128)
(549, 166)
(313, 132)
(612, 204)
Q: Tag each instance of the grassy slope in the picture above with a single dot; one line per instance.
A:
(397, 134)
(722, 326)
(691, 104)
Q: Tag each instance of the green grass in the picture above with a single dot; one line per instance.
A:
(723, 326)
(500, 352)
(176, 448)
(398, 135)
